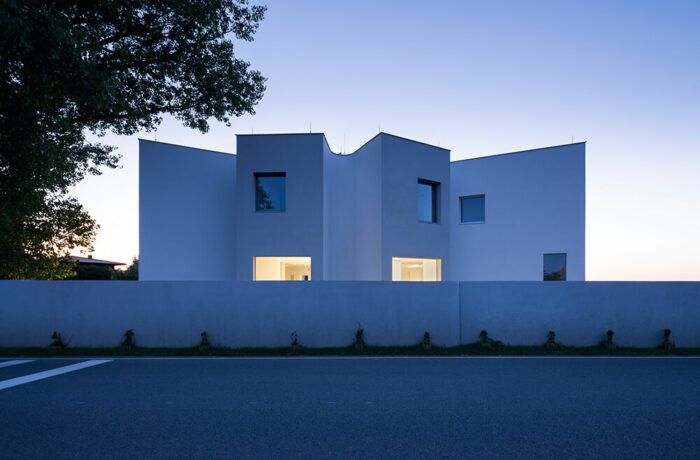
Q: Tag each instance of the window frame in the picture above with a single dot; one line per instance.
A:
(471, 222)
(566, 263)
(257, 175)
(435, 200)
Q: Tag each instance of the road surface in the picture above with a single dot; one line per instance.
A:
(453, 407)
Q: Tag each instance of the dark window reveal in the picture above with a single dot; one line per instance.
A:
(555, 267)
(270, 192)
(473, 209)
(428, 200)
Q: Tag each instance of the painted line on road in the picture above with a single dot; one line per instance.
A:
(50, 373)
(14, 362)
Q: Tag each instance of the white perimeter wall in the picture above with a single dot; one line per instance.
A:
(236, 314)
(535, 204)
(580, 313)
(263, 314)
(186, 213)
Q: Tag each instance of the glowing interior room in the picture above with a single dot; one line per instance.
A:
(282, 268)
(287, 208)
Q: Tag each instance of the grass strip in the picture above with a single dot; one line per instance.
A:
(462, 350)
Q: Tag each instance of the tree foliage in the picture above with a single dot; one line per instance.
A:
(68, 68)
(131, 273)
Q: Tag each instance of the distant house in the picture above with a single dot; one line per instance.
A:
(88, 268)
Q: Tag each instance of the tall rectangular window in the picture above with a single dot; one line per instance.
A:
(411, 269)
(473, 209)
(555, 267)
(281, 268)
(270, 192)
(428, 200)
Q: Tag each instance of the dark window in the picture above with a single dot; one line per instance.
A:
(270, 192)
(473, 209)
(555, 267)
(428, 193)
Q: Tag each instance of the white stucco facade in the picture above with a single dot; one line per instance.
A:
(352, 215)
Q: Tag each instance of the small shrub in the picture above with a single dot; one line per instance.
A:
(57, 341)
(204, 343)
(425, 344)
(487, 342)
(295, 341)
(608, 343)
(128, 342)
(484, 337)
(551, 341)
(359, 337)
(667, 344)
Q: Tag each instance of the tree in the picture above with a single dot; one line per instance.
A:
(131, 273)
(69, 68)
(92, 272)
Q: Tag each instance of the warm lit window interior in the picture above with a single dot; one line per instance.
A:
(409, 269)
(282, 268)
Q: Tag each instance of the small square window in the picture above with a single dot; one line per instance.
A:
(270, 192)
(555, 267)
(428, 196)
(473, 209)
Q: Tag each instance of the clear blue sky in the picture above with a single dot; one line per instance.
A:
(482, 78)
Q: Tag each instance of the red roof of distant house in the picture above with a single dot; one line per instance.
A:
(90, 260)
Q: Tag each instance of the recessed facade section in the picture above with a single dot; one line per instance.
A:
(281, 268)
(415, 269)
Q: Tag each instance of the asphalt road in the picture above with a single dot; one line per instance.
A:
(353, 408)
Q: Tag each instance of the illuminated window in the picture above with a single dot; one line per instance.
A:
(473, 209)
(282, 268)
(409, 269)
(428, 200)
(270, 192)
(554, 267)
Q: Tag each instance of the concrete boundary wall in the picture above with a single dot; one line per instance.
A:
(580, 313)
(234, 313)
(326, 313)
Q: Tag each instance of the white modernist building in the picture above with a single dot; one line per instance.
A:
(285, 207)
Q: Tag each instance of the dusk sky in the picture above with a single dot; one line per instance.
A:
(482, 78)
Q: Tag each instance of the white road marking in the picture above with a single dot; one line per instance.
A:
(14, 362)
(50, 373)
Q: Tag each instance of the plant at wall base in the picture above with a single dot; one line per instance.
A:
(57, 341)
(667, 344)
(359, 338)
(204, 343)
(552, 342)
(295, 341)
(487, 342)
(128, 343)
(484, 338)
(425, 344)
(608, 343)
